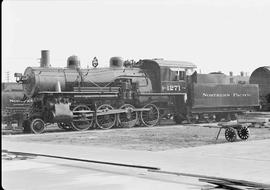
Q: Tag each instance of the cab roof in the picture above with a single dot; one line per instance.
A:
(175, 64)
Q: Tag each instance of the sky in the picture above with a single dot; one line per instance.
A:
(216, 35)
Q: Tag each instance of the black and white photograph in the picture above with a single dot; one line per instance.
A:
(135, 95)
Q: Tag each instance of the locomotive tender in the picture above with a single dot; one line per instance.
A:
(125, 93)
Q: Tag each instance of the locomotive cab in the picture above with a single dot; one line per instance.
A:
(168, 76)
(169, 79)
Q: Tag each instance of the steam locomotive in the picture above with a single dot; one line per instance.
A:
(127, 93)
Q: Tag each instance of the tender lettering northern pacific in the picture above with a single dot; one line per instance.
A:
(225, 95)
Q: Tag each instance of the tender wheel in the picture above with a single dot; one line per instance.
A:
(129, 118)
(151, 117)
(178, 119)
(103, 119)
(37, 126)
(243, 133)
(193, 119)
(211, 119)
(234, 116)
(82, 118)
(65, 126)
(219, 118)
(230, 134)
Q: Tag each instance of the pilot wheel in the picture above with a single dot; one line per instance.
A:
(37, 126)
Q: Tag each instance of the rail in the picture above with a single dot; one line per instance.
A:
(220, 182)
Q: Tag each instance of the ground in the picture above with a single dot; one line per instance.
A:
(178, 151)
(164, 137)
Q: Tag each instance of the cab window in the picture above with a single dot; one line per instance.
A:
(177, 75)
(182, 75)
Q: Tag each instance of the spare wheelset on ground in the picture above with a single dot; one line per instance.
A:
(232, 131)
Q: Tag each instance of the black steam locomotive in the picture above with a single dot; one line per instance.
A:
(128, 93)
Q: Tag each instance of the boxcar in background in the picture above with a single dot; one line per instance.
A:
(14, 105)
(261, 76)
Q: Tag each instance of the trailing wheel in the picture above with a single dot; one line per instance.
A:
(104, 119)
(150, 117)
(243, 133)
(82, 118)
(129, 118)
(230, 134)
(37, 126)
(65, 126)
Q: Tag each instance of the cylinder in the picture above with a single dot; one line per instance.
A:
(45, 58)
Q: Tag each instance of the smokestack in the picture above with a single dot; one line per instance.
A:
(45, 58)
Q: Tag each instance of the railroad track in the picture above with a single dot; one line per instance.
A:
(256, 119)
(151, 172)
(52, 128)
